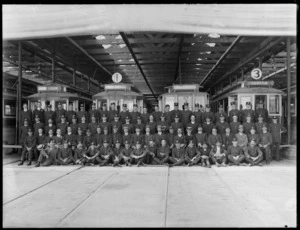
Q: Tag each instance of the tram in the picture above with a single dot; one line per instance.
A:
(119, 93)
(253, 92)
(183, 93)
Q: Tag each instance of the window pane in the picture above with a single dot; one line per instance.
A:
(293, 105)
(244, 99)
(9, 108)
(274, 104)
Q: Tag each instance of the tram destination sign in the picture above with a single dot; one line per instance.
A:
(259, 83)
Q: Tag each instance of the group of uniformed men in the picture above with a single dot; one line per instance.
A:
(177, 137)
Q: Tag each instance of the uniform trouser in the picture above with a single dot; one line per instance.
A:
(27, 154)
(236, 161)
(148, 158)
(188, 160)
(204, 159)
(82, 159)
(45, 161)
(177, 162)
(69, 161)
(103, 161)
(123, 161)
(159, 161)
(218, 160)
(267, 153)
(249, 160)
(135, 161)
(275, 150)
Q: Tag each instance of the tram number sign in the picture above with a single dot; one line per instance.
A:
(116, 77)
(256, 74)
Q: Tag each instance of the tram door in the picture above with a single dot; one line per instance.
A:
(259, 98)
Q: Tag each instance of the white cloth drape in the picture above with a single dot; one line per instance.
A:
(37, 21)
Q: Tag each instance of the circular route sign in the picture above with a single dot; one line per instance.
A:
(256, 74)
(116, 77)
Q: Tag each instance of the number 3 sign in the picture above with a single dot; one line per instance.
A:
(256, 74)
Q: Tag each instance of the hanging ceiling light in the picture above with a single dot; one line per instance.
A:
(100, 37)
(214, 35)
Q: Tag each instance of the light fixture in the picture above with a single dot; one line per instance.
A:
(198, 64)
(211, 44)
(199, 59)
(122, 45)
(100, 37)
(214, 35)
(118, 37)
(106, 46)
(131, 59)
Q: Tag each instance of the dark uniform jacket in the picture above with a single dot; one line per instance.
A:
(79, 154)
(101, 112)
(108, 138)
(52, 127)
(253, 152)
(189, 138)
(201, 138)
(28, 115)
(156, 116)
(204, 152)
(93, 127)
(64, 153)
(126, 152)
(58, 140)
(221, 126)
(263, 112)
(177, 125)
(275, 129)
(168, 116)
(148, 138)
(138, 152)
(191, 152)
(234, 127)
(106, 151)
(235, 151)
(23, 133)
(194, 127)
(53, 154)
(266, 138)
(70, 138)
(170, 138)
(134, 116)
(152, 149)
(130, 128)
(152, 126)
(218, 115)
(174, 113)
(83, 126)
(115, 137)
(118, 124)
(235, 112)
(178, 153)
(213, 139)
(30, 141)
(40, 114)
(227, 139)
(36, 126)
(258, 126)
(141, 126)
(126, 138)
(181, 139)
(158, 137)
(49, 114)
(163, 151)
(207, 128)
(98, 139)
(62, 127)
(78, 138)
(164, 126)
(74, 128)
(186, 115)
(91, 152)
(106, 124)
(40, 139)
(48, 139)
(123, 115)
(96, 114)
(198, 117)
(112, 114)
(117, 152)
(140, 138)
(211, 115)
(80, 115)
(246, 112)
(59, 113)
(254, 137)
(69, 115)
(247, 126)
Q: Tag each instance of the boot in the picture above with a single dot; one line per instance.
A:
(21, 163)
(29, 163)
(37, 164)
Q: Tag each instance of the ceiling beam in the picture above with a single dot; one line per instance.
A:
(125, 39)
(266, 44)
(238, 38)
(178, 56)
(89, 56)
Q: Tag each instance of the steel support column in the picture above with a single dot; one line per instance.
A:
(288, 70)
(89, 85)
(74, 77)
(19, 107)
(178, 56)
(53, 70)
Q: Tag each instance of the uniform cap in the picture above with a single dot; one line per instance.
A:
(49, 106)
(260, 102)
(253, 141)
(29, 130)
(98, 126)
(177, 141)
(74, 117)
(115, 127)
(241, 126)
(58, 103)
(264, 126)
(252, 128)
(220, 106)
(221, 115)
(259, 116)
(93, 115)
(79, 128)
(105, 141)
(248, 115)
(207, 118)
(167, 105)
(151, 139)
(234, 139)
(191, 141)
(137, 128)
(125, 127)
(147, 126)
(65, 142)
(92, 143)
(274, 117)
(214, 128)
(171, 127)
(39, 101)
(137, 142)
(234, 115)
(145, 107)
(189, 127)
(117, 141)
(94, 104)
(158, 126)
(127, 142)
(176, 116)
(201, 106)
(207, 106)
(50, 119)
(176, 104)
(200, 127)
(127, 118)
(83, 116)
(125, 105)
(116, 115)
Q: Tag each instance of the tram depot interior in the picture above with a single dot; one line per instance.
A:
(150, 63)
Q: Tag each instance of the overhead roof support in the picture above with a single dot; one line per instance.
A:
(88, 55)
(178, 56)
(125, 39)
(261, 48)
(238, 38)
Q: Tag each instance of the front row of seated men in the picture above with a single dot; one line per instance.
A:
(62, 153)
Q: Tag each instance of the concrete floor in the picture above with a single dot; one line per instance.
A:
(74, 196)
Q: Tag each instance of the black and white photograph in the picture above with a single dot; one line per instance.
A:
(149, 115)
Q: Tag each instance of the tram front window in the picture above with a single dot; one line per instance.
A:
(9, 108)
(260, 98)
(274, 104)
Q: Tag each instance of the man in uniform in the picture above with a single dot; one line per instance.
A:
(59, 112)
(112, 111)
(253, 135)
(193, 124)
(265, 144)
(192, 154)
(186, 114)
(276, 129)
(152, 124)
(213, 138)
(207, 114)
(79, 137)
(180, 137)
(105, 155)
(98, 137)
(234, 125)
(37, 125)
(105, 123)
(201, 137)
(117, 123)
(126, 136)
(242, 138)
(221, 113)
(24, 132)
(63, 125)
(58, 139)
(69, 137)
(205, 155)
(70, 113)
(138, 155)
(65, 155)
(128, 125)
(88, 139)
(221, 124)
(170, 137)
(125, 154)
(106, 136)
(82, 113)
(151, 151)
(103, 111)
(218, 155)
(262, 112)
(38, 111)
(116, 136)
(189, 136)
(198, 114)
(29, 147)
(253, 154)
(227, 138)
(248, 124)
(162, 154)
(93, 124)
(124, 113)
(259, 124)
(156, 114)
(48, 156)
(176, 112)
(140, 125)
(163, 123)
(145, 115)
(91, 154)
(177, 124)
(248, 111)
(116, 153)
(178, 155)
(168, 114)
(74, 125)
(207, 126)
(49, 114)
(94, 112)
(26, 113)
(234, 111)
(137, 137)
(135, 114)
(49, 137)
(235, 153)
(79, 151)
